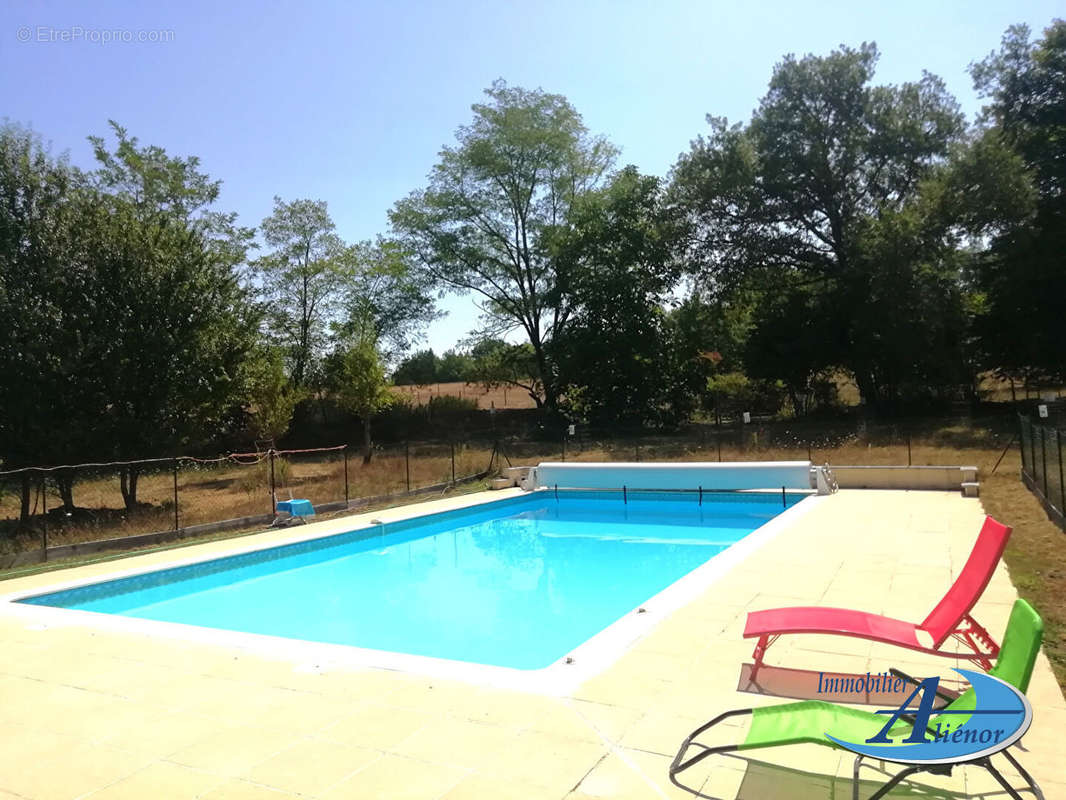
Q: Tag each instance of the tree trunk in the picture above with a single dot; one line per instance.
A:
(793, 397)
(547, 381)
(25, 494)
(868, 390)
(128, 484)
(65, 484)
(368, 451)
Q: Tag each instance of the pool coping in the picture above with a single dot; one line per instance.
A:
(559, 678)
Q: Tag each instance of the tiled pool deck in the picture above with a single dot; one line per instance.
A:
(102, 714)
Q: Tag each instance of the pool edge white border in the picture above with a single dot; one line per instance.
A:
(559, 678)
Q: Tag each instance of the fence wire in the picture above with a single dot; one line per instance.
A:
(1042, 466)
(54, 506)
(93, 504)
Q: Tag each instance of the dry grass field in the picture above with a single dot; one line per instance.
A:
(210, 493)
(992, 389)
(497, 397)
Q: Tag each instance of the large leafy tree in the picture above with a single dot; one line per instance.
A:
(496, 362)
(300, 280)
(836, 187)
(121, 299)
(163, 304)
(271, 397)
(385, 299)
(618, 259)
(49, 393)
(356, 373)
(1023, 275)
(494, 200)
(418, 369)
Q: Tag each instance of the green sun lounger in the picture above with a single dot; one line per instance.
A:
(806, 722)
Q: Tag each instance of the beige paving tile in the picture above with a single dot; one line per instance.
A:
(377, 726)
(311, 767)
(243, 790)
(626, 774)
(459, 742)
(62, 774)
(546, 760)
(662, 732)
(479, 787)
(233, 751)
(159, 779)
(160, 735)
(304, 713)
(396, 778)
(600, 720)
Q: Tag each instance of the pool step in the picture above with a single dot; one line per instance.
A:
(512, 476)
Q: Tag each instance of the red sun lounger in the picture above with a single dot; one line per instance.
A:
(950, 619)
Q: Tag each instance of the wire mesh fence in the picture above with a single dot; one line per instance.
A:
(45, 508)
(1042, 466)
(59, 510)
(849, 442)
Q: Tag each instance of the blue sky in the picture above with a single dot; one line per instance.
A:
(350, 102)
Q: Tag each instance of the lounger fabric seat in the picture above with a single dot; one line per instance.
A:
(949, 619)
(841, 621)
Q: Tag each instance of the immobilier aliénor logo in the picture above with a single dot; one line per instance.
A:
(988, 718)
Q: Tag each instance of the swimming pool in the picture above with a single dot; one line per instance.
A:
(515, 583)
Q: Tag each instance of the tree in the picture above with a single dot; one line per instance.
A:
(39, 354)
(1022, 276)
(163, 301)
(493, 202)
(121, 293)
(384, 299)
(419, 369)
(454, 366)
(618, 259)
(837, 185)
(708, 333)
(357, 375)
(155, 183)
(272, 398)
(300, 280)
(495, 362)
(795, 339)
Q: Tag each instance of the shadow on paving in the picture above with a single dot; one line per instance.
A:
(763, 781)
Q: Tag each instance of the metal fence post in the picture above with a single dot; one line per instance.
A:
(44, 512)
(1043, 456)
(452, 443)
(345, 452)
(407, 462)
(1062, 483)
(564, 445)
(1032, 452)
(273, 494)
(908, 448)
(175, 465)
(1021, 441)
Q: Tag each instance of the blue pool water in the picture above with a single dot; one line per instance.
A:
(515, 583)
